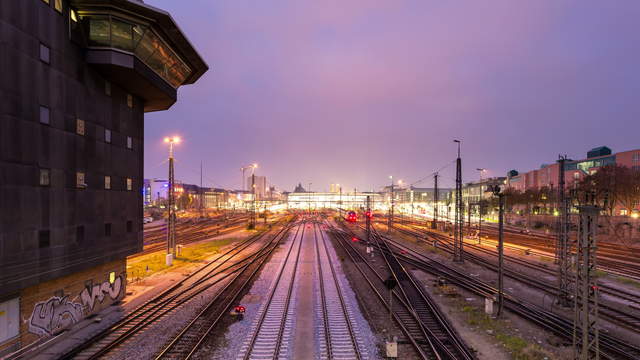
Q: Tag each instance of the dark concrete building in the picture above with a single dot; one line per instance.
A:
(76, 77)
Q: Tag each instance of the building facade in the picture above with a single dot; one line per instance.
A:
(76, 78)
(575, 170)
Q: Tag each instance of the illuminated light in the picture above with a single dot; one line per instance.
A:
(73, 15)
(354, 239)
(167, 139)
(176, 139)
(635, 215)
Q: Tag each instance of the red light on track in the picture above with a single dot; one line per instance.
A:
(354, 239)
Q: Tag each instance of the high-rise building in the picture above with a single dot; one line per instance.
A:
(76, 77)
(260, 183)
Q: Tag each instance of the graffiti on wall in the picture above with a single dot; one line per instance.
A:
(49, 317)
(57, 313)
(98, 292)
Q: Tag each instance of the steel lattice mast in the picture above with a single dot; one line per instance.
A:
(562, 241)
(586, 342)
(458, 247)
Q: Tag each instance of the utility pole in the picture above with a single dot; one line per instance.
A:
(252, 216)
(434, 225)
(497, 191)
(171, 220)
(368, 219)
(562, 244)
(309, 199)
(458, 241)
(201, 205)
(469, 215)
(586, 342)
(390, 226)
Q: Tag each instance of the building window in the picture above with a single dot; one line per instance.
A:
(129, 100)
(79, 127)
(576, 176)
(636, 157)
(57, 4)
(45, 177)
(107, 88)
(624, 212)
(80, 234)
(107, 182)
(107, 136)
(45, 115)
(80, 180)
(44, 239)
(129, 184)
(107, 229)
(112, 277)
(129, 226)
(45, 54)
(129, 142)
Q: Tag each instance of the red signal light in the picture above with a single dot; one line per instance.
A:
(354, 239)
(240, 309)
(368, 214)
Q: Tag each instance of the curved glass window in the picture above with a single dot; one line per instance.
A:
(140, 40)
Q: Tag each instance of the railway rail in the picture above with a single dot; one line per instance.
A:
(153, 310)
(420, 320)
(339, 336)
(270, 334)
(614, 312)
(611, 347)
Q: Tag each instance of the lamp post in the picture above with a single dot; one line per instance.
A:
(390, 226)
(245, 168)
(497, 192)
(171, 221)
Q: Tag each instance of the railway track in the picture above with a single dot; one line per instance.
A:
(190, 339)
(611, 347)
(270, 334)
(178, 295)
(339, 336)
(420, 320)
(614, 312)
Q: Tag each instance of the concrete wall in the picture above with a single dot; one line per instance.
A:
(48, 308)
(72, 90)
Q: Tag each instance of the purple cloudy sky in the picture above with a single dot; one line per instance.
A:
(351, 91)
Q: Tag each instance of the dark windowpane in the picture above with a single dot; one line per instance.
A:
(44, 240)
(99, 32)
(45, 115)
(45, 53)
(121, 36)
(107, 229)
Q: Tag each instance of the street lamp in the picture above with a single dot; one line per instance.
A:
(171, 223)
(253, 168)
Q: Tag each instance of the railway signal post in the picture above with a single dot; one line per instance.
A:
(434, 225)
(562, 240)
(497, 192)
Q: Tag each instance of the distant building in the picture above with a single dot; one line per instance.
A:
(76, 80)
(474, 192)
(299, 189)
(260, 184)
(547, 175)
